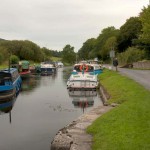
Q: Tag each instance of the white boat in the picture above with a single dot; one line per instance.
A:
(83, 77)
(60, 64)
(97, 67)
(47, 68)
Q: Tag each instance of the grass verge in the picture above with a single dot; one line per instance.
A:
(126, 127)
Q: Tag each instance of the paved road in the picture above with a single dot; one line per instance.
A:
(140, 76)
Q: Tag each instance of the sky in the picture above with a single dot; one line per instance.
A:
(56, 23)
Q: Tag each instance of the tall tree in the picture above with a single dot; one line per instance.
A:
(108, 34)
(129, 32)
(68, 54)
(110, 44)
(145, 19)
(88, 46)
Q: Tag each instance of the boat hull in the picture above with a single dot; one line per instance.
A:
(25, 74)
(10, 83)
(82, 81)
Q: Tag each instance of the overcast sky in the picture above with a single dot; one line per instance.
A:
(55, 23)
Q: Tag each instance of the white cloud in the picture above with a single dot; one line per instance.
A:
(55, 23)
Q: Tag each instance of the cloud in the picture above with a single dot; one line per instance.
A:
(54, 24)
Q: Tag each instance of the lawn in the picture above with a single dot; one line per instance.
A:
(127, 126)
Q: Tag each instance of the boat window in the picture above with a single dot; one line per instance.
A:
(97, 67)
(3, 77)
(90, 69)
(77, 68)
(49, 69)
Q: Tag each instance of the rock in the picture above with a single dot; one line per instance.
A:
(61, 142)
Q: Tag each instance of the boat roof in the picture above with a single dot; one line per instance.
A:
(86, 64)
(7, 70)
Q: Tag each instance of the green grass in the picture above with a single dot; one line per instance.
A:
(3, 66)
(126, 127)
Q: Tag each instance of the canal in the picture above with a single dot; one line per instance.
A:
(44, 106)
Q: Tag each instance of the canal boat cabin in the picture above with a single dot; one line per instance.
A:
(48, 68)
(24, 69)
(10, 83)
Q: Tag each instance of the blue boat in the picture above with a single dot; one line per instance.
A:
(10, 83)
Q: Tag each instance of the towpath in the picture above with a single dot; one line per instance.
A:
(140, 76)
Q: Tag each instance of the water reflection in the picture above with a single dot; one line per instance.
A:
(29, 84)
(82, 99)
(42, 108)
(6, 106)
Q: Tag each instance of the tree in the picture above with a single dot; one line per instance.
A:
(129, 32)
(14, 59)
(88, 46)
(1, 58)
(145, 19)
(110, 44)
(104, 40)
(144, 39)
(68, 54)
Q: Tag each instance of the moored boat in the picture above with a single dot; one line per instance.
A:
(97, 69)
(83, 77)
(36, 69)
(10, 83)
(48, 68)
(24, 69)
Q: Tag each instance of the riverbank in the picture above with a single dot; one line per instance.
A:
(74, 135)
(127, 126)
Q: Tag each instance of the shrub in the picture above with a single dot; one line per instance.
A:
(131, 55)
(14, 59)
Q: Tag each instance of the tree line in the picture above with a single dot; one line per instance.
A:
(131, 43)
(131, 40)
(25, 50)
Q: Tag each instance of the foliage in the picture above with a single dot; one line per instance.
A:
(145, 19)
(1, 58)
(25, 50)
(68, 54)
(126, 126)
(144, 39)
(110, 44)
(131, 55)
(129, 32)
(104, 41)
(14, 59)
(100, 46)
(85, 51)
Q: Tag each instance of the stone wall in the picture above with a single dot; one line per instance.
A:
(142, 65)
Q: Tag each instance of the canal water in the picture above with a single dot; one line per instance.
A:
(44, 106)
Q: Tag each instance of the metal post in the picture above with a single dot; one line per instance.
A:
(9, 63)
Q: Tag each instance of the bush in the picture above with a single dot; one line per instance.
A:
(14, 59)
(131, 55)
(1, 58)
